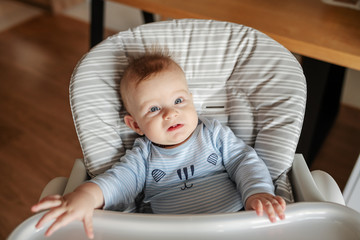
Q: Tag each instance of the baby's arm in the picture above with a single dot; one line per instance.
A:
(78, 205)
(272, 205)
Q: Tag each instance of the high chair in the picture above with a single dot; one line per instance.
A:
(239, 76)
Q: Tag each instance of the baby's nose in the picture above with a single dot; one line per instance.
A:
(170, 113)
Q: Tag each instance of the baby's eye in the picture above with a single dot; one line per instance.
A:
(154, 109)
(179, 100)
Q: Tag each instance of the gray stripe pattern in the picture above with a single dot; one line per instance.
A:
(236, 74)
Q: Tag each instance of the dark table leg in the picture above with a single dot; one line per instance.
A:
(324, 85)
(96, 22)
(148, 17)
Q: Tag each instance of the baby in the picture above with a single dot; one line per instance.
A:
(183, 163)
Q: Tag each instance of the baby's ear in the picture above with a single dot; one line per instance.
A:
(131, 123)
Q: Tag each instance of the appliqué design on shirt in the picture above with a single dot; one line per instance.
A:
(213, 158)
(158, 174)
(186, 174)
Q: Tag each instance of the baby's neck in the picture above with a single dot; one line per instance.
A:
(166, 146)
(173, 145)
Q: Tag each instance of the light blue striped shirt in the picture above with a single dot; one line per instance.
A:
(213, 171)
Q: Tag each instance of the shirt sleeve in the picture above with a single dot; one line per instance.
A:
(125, 179)
(242, 163)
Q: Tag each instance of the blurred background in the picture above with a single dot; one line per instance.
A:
(40, 44)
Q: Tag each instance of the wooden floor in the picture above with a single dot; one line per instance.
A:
(37, 137)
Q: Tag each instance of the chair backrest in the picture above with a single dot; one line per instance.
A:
(236, 74)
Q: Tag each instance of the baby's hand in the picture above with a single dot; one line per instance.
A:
(272, 205)
(78, 205)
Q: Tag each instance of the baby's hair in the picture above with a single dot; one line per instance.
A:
(151, 62)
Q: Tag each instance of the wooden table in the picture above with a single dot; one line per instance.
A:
(328, 38)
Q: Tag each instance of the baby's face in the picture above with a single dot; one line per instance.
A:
(162, 108)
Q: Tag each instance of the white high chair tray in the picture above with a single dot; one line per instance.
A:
(303, 221)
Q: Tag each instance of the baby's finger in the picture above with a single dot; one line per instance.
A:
(279, 208)
(268, 207)
(281, 201)
(46, 205)
(258, 207)
(88, 225)
(52, 214)
(51, 198)
(60, 222)
(47, 202)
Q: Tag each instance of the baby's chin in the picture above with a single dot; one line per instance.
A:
(177, 143)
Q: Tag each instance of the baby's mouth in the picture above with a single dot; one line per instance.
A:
(175, 127)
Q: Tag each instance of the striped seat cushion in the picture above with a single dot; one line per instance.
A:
(236, 74)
